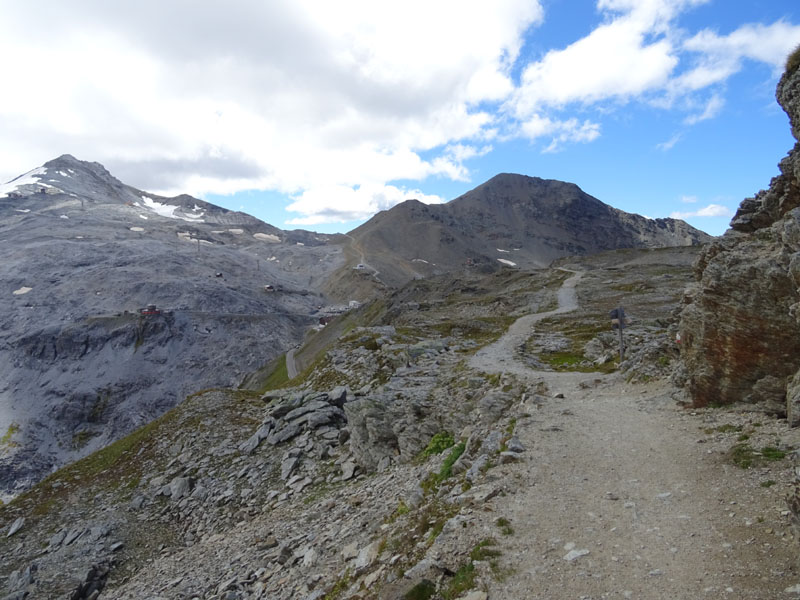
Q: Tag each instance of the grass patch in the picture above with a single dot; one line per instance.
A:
(768, 483)
(447, 467)
(279, 376)
(340, 587)
(727, 428)
(485, 550)
(793, 60)
(505, 526)
(772, 454)
(745, 456)
(422, 591)
(742, 455)
(463, 580)
(6, 441)
(438, 444)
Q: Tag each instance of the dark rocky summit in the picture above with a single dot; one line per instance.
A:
(740, 328)
(511, 220)
(83, 253)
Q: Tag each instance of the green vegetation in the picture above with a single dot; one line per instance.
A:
(727, 428)
(768, 483)
(340, 587)
(80, 439)
(422, 591)
(772, 454)
(402, 509)
(485, 550)
(463, 580)
(505, 526)
(278, 377)
(745, 456)
(447, 467)
(6, 441)
(438, 444)
(793, 60)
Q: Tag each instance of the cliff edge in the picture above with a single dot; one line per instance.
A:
(740, 325)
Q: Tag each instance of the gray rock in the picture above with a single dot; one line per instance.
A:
(515, 445)
(15, 526)
(474, 472)
(366, 557)
(288, 466)
(338, 396)
(283, 434)
(793, 400)
(262, 433)
(73, 535)
(348, 470)
(492, 443)
(180, 487)
(494, 405)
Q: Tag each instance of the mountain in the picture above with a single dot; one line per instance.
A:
(511, 219)
(83, 253)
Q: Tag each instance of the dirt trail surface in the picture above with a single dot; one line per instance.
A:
(499, 356)
(617, 499)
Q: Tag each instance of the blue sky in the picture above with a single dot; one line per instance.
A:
(316, 115)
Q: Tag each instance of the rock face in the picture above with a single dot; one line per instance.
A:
(511, 220)
(740, 326)
(82, 254)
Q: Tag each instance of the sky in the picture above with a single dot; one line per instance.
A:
(315, 114)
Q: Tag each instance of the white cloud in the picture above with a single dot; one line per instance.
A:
(339, 204)
(560, 132)
(670, 143)
(711, 110)
(720, 56)
(639, 53)
(712, 210)
(288, 96)
(689, 199)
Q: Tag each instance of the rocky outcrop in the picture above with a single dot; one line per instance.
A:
(740, 327)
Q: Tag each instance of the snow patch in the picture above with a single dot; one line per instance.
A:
(63, 174)
(420, 260)
(143, 217)
(236, 231)
(168, 210)
(506, 262)
(267, 237)
(63, 217)
(300, 244)
(29, 178)
(23, 210)
(136, 229)
(21, 291)
(501, 250)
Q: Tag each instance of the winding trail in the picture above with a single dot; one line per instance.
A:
(615, 498)
(499, 357)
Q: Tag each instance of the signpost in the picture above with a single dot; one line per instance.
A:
(618, 320)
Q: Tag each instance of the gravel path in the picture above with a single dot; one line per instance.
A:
(499, 356)
(617, 499)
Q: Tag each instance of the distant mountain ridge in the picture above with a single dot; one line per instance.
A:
(511, 219)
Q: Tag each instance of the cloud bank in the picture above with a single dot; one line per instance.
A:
(332, 103)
